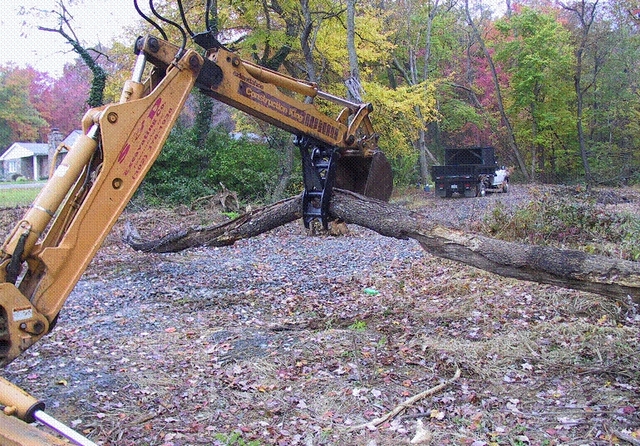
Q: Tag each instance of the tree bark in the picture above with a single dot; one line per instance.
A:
(354, 87)
(99, 81)
(586, 13)
(614, 278)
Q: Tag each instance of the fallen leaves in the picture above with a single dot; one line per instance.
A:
(275, 340)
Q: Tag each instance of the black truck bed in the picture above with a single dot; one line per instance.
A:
(462, 170)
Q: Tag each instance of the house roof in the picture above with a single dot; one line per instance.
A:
(19, 150)
(71, 138)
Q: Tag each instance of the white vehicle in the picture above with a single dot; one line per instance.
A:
(471, 172)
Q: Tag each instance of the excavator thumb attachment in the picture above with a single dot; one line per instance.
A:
(325, 168)
(369, 176)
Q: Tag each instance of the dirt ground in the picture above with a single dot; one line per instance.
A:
(287, 339)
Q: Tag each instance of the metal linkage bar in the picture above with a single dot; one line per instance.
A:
(62, 429)
(319, 173)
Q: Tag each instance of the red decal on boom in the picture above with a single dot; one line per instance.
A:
(123, 153)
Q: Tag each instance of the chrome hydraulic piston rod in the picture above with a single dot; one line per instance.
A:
(20, 404)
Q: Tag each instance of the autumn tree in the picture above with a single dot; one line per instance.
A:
(535, 50)
(69, 97)
(511, 137)
(357, 48)
(32, 102)
(415, 59)
(20, 120)
(584, 13)
(612, 102)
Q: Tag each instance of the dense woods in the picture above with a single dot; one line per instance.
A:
(553, 85)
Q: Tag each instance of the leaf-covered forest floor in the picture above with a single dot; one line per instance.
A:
(288, 339)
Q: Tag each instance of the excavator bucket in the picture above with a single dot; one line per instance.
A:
(370, 176)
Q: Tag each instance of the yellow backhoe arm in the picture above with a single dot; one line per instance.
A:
(45, 255)
(47, 252)
(76, 209)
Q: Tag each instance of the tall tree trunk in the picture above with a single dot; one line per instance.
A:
(426, 156)
(353, 81)
(202, 124)
(579, 117)
(274, 58)
(425, 176)
(99, 81)
(494, 74)
(306, 42)
(204, 114)
(281, 141)
(534, 146)
(585, 12)
(213, 19)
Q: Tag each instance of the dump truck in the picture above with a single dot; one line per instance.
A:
(470, 172)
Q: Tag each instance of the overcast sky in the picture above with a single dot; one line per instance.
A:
(95, 21)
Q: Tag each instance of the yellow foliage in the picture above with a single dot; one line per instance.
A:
(373, 46)
(399, 114)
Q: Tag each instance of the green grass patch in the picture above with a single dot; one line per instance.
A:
(14, 197)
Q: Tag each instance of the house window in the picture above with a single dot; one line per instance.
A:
(12, 166)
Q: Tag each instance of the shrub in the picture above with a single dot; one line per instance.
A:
(184, 171)
(248, 168)
(567, 222)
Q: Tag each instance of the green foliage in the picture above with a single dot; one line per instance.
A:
(178, 173)
(613, 104)
(534, 49)
(373, 45)
(185, 171)
(568, 222)
(456, 114)
(358, 326)
(405, 169)
(398, 113)
(235, 439)
(395, 114)
(231, 215)
(248, 168)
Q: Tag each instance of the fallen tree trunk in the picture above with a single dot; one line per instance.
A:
(619, 279)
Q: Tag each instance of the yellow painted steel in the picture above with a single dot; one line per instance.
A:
(83, 200)
(18, 408)
(51, 196)
(18, 402)
(67, 223)
(14, 432)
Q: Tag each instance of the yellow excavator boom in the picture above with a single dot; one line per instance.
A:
(48, 250)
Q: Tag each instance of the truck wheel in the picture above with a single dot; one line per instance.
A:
(481, 190)
(505, 187)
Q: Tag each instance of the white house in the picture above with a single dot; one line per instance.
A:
(32, 160)
(27, 159)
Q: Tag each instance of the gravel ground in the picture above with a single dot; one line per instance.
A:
(270, 337)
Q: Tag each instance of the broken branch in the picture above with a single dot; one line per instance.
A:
(615, 278)
(407, 403)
